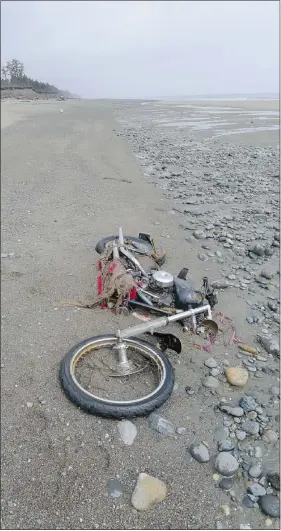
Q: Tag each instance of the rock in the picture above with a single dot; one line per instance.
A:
(211, 363)
(275, 391)
(114, 488)
(226, 445)
(271, 346)
(199, 234)
(225, 509)
(240, 435)
(245, 526)
(247, 502)
(248, 403)
(236, 376)
(127, 431)
(203, 257)
(161, 425)
(274, 479)
(231, 410)
(266, 274)
(200, 452)
(270, 505)
(251, 427)
(226, 483)
(148, 490)
(255, 471)
(211, 382)
(180, 430)
(268, 522)
(257, 249)
(226, 464)
(270, 436)
(189, 391)
(258, 452)
(252, 415)
(256, 489)
(221, 434)
(215, 372)
(220, 284)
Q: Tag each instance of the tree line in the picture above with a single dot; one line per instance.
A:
(13, 76)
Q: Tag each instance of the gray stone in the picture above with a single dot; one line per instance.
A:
(162, 425)
(257, 249)
(226, 464)
(215, 372)
(220, 284)
(203, 257)
(247, 502)
(256, 489)
(211, 363)
(226, 483)
(270, 505)
(251, 427)
(221, 433)
(127, 431)
(199, 234)
(226, 445)
(232, 410)
(240, 435)
(255, 471)
(114, 488)
(210, 382)
(270, 436)
(270, 345)
(200, 452)
(248, 403)
(180, 430)
(266, 274)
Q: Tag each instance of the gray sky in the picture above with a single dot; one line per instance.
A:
(145, 49)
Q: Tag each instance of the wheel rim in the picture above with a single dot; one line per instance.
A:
(143, 351)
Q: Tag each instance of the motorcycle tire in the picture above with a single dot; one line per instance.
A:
(115, 409)
(102, 244)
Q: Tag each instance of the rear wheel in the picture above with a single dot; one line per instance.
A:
(91, 378)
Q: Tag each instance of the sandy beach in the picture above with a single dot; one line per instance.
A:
(203, 177)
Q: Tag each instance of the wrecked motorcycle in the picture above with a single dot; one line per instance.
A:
(102, 374)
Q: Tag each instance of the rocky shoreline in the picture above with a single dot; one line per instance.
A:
(228, 197)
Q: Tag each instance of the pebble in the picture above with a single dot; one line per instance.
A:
(189, 391)
(251, 427)
(148, 490)
(211, 382)
(226, 445)
(226, 464)
(258, 452)
(215, 372)
(245, 526)
(275, 391)
(268, 522)
(29, 404)
(270, 505)
(203, 257)
(255, 471)
(180, 430)
(114, 488)
(199, 234)
(220, 284)
(160, 424)
(247, 502)
(270, 436)
(231, 410)
(274, 479)
(236, 376)
(240, 435)
(221, 434)
(256, 489)
(226, 483)
(127, 431)
(211, 363)
(225, 509)
(248, 403)
(270, 345)
(200, 452)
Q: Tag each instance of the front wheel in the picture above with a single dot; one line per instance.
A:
(91, 379)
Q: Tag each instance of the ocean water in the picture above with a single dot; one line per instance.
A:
(219, 97)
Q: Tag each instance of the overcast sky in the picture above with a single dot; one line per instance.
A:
(145, 49)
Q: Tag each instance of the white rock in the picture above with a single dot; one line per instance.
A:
(127, 431)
